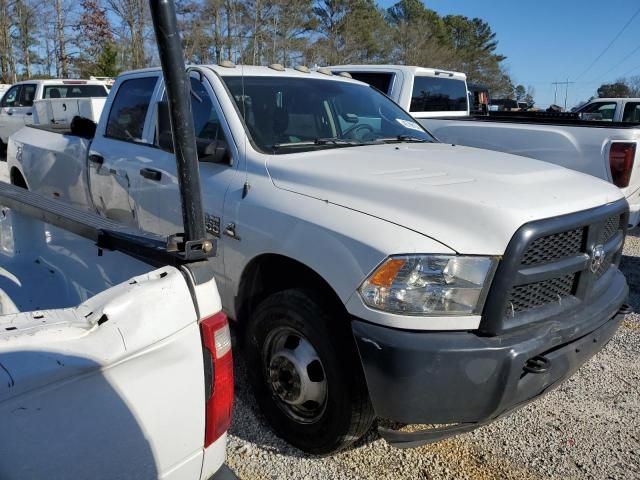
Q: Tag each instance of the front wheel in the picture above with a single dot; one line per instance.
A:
(306, 373)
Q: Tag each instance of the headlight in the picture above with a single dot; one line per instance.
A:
(431, 285)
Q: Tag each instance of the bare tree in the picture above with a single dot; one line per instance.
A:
(7, 56)
(134, 16)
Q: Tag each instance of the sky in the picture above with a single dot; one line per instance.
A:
(548, 41)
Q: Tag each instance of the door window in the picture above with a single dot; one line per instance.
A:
(631, 112)
(129, 109)
(600, 111)
(10, 98)
(27, 95)
(206, 121)
(205, 117)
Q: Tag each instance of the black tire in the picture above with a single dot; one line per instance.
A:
(3, 151)
(347, 413)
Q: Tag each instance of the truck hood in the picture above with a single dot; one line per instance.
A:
(469, 199)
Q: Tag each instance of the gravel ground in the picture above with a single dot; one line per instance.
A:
(587, 428)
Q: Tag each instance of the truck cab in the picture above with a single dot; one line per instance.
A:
(423, 92)
(611, 109)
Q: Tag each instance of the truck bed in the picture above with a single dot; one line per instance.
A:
(96, 347)
(56, 161)
(545, 118)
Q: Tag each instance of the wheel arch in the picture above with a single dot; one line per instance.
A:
(17, 178)
(270, 273)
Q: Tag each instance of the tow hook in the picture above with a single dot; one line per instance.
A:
(537, 364)
(625, 309)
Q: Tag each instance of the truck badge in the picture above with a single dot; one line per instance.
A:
(597, 258)
(212, 224)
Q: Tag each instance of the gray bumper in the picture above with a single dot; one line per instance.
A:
(469, 380)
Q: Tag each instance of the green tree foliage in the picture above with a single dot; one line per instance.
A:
(474, 52)
(617, 89)
(520, 92)
(419, 35)
(107, 62)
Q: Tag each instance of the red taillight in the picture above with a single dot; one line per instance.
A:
(621, 156)
(216, 340)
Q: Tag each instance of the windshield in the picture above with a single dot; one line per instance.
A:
(285, 115)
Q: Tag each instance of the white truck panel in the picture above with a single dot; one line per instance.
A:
(95, 377)
(60, 111)
(56, 163)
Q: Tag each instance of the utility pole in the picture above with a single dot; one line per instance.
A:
(566, 91)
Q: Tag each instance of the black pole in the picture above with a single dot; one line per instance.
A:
(178, 89)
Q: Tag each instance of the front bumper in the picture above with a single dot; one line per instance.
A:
(468, 380)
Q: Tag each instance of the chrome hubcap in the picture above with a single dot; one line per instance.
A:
(296, 375)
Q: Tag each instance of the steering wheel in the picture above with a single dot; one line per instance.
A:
(350, 132)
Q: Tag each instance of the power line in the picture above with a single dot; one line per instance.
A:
(629, 71)
(621, 62)
(610, 44)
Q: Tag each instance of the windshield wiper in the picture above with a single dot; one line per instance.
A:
(402, 138)
(341, 142)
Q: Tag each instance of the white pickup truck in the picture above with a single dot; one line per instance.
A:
(17, 103)
(605, 149)
(374, 271)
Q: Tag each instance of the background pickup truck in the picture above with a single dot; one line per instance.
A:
(107, 363)
(611, 109)
(367, 264)
(16, 106)
(605, 149)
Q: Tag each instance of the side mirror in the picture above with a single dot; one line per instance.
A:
(83, 127)
(216, 151)
(164, 138)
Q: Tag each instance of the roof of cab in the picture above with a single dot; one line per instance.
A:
(61, 81)
(256, 71)
(410, 69)
(613, 99)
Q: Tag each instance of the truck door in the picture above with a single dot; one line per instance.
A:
(155, 189)
(120, 142)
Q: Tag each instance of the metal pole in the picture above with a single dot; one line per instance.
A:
(178, 89)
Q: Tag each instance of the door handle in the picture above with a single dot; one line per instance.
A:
(97, 159)
(9, 113)
(28, 114)
(230, 231)
(151, 174)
